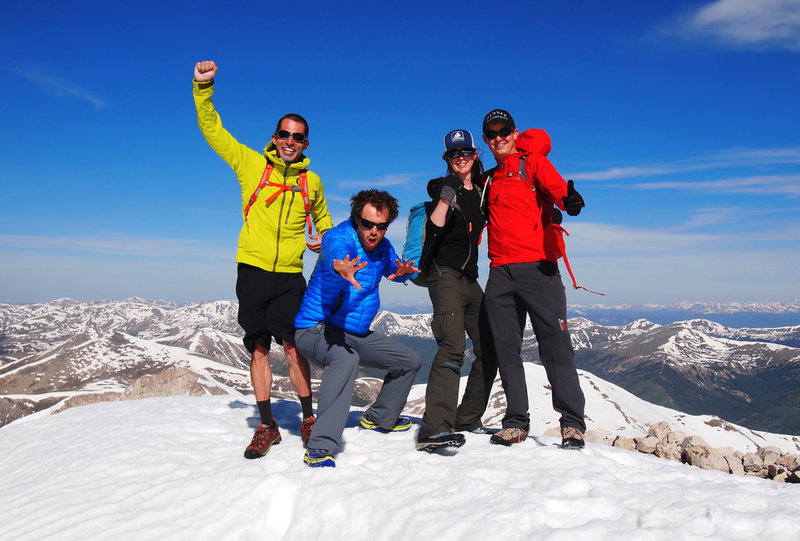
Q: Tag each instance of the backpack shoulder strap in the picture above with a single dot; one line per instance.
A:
(303, 181)
(487, 182)
(303, 189)
(523, 173)
(261, 185)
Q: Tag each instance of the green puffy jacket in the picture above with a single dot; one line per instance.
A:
(273, 235)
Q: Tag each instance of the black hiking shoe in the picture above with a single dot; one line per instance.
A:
(571, 438)
(440, 441)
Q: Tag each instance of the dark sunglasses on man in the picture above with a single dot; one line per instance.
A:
(459, 152)
(503, 132)
(366, 224)
(298, 137)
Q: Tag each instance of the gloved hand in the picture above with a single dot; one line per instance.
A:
(573, 201)
(450, 186)
(557, 216)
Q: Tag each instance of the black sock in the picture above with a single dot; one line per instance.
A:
(265, 410)
(305, 403)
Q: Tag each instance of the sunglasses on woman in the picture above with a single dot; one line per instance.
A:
(504, 132)
(366, 224)
(284, 134)
(459, 153)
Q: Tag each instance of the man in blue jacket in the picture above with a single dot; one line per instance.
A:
(332, 325)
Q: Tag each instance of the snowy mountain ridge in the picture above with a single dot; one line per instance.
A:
(100, 349)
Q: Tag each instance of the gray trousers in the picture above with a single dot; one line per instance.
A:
(340, 353)
(534, 288)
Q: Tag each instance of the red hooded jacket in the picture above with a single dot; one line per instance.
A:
(520, 211)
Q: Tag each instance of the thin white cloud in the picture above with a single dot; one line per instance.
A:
(750, 24)
(386, 181)
(115, 246)
(59, 87)
(762, 184)
(734, 157)
(757, 155)
(705, 217)
(615, 173)
(601, 239)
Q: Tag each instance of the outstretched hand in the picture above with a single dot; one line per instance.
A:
(347, 269)
(403, 267)
(315, 244)
(205, 70)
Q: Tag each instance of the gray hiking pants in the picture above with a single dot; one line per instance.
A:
(340, 353)
(534, 288)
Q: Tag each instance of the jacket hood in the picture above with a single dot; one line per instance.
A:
(534, 141)
(272, 155)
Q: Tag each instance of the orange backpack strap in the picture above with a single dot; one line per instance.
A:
(264, 182)
(562, 248)
(303, 182)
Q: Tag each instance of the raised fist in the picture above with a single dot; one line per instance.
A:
(450, 186)
(204, 71)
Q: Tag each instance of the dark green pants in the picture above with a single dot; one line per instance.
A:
(457, 307)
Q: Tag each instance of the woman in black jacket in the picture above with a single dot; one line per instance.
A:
(450, 259)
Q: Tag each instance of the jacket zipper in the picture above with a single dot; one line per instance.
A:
(280, 213)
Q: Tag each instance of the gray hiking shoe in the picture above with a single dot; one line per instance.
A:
(440, 441)
(571, 437)
(507, 436)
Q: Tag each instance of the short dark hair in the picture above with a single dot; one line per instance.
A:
(295, 117)
(379, 199)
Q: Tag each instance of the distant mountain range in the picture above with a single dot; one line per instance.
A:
(72, 352)
(735, 314)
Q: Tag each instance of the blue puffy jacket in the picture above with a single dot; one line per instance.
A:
(331, 298)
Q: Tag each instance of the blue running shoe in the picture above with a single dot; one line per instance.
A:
(402, 424)
(319, 459)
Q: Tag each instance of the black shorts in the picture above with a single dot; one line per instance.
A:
(268, 302)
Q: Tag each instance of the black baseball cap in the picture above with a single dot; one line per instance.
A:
(498, 115)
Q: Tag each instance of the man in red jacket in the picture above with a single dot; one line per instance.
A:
(524, 278)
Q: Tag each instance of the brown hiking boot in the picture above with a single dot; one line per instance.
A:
(264, 438)
(305, 429)
(507, 436)
(571, 437)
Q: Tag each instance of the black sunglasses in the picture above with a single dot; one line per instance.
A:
(366, 224)
(298, 137)
(504, 132)
(459, 152)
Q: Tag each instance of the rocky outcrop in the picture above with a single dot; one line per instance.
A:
(170, 382)
(12, 409)
(86, 399)
(767, 463)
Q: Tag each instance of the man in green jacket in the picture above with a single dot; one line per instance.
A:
(280, 198)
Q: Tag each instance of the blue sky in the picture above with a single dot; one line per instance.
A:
(678, 121)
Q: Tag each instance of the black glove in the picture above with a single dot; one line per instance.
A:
(573, 202)
(450, 186)
(557, 216)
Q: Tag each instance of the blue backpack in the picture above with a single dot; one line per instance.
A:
(415, 239)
